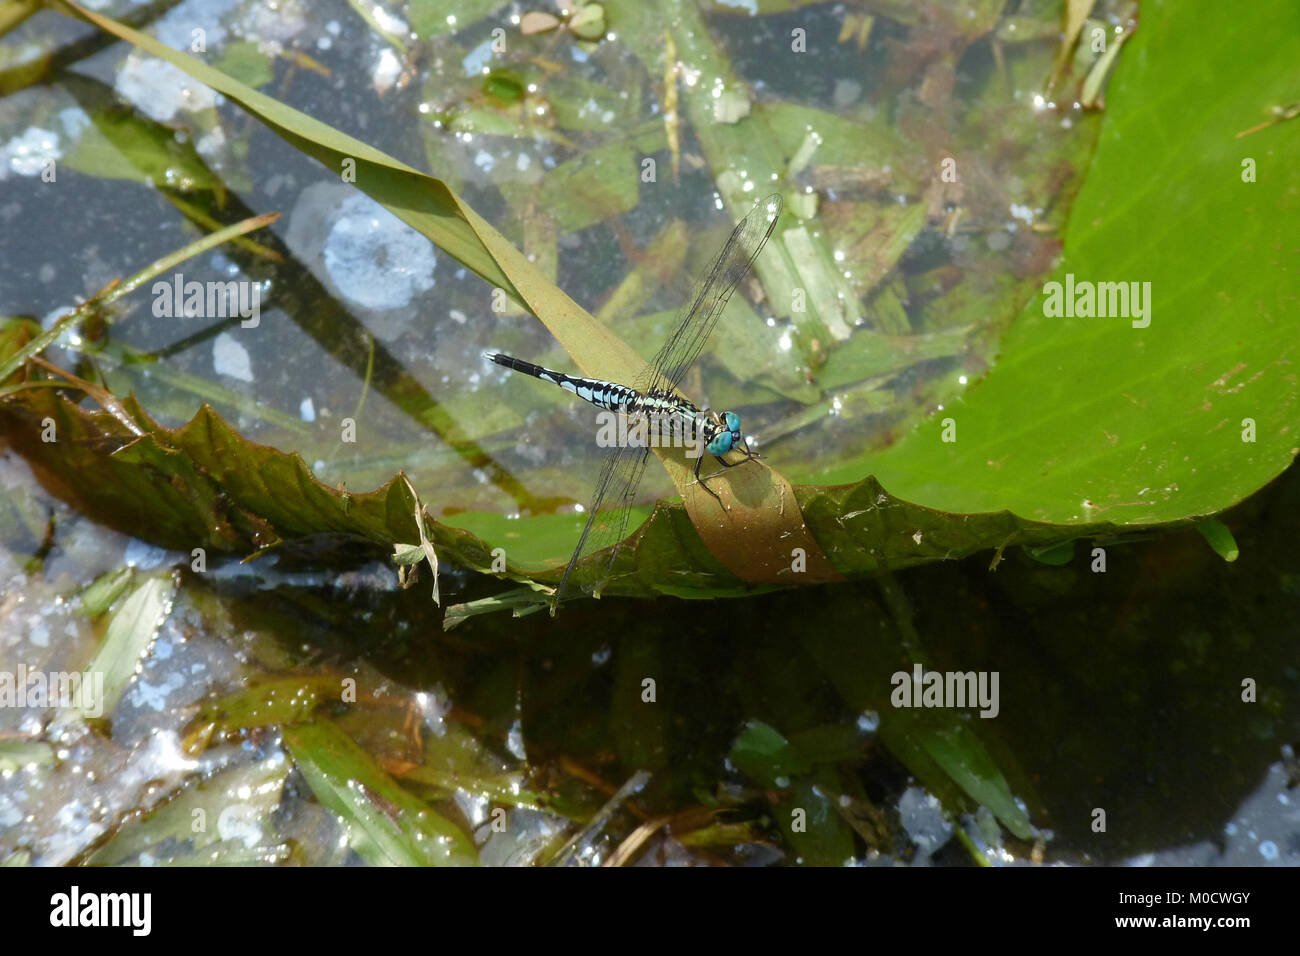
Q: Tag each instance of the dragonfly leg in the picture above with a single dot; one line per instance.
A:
(703, 481)
(749, 456)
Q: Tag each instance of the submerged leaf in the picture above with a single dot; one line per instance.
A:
(386, 824)
(130, 632)
(225, 819)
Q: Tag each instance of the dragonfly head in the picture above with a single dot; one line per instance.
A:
(727, 435)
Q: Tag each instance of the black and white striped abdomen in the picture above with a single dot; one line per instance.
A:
(610, 395)
(615, 397)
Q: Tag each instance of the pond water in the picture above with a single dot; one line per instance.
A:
(294, 703)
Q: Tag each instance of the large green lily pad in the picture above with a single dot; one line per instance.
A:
(1092, 418)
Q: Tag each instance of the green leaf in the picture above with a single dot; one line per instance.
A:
(588, 22)
(226, 819)
(130, 633)
(272, 703)
(803, 768)
(105, 589)
(1093, 419)
(408, 554)
(386, 824)
(938, 747)
(16, 754)
(822, 838)
(504, 87)
(1054, 555)
(958, 751)
(1219, 538)
(435, 18)
(205, 486)
(121, 145)
(596, 185)
(245, 61)
(763, 754)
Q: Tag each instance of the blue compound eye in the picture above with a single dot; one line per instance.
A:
(721, 444)
(733, 422)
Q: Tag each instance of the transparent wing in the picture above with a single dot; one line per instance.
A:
(607, 519)
(709, 297)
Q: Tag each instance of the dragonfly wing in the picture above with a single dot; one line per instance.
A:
(697, 318)
(607, 519)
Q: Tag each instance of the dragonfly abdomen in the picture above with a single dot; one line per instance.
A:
(609, 395)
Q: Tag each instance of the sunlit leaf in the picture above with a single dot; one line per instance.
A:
(386, 824)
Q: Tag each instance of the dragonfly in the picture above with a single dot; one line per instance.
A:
(654, 399)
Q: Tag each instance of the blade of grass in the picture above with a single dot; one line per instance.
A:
(386, 824)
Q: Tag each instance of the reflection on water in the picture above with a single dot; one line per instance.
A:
(1120, 691)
